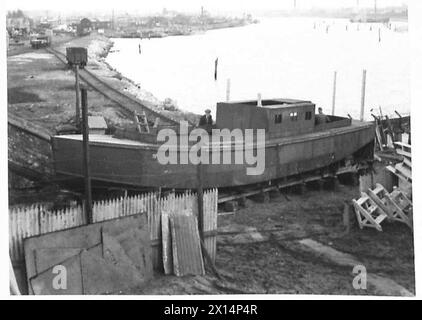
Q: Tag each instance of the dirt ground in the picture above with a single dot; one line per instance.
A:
(41, 90)
(278, 264)
(278, 267)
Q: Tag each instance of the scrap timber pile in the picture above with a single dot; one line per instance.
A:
(378, 204)
(403, 169)
(114, 255)
(100, 258)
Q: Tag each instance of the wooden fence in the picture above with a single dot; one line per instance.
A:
(37, 219)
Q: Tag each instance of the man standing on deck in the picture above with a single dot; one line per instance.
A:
(206, 119)
(321, 117)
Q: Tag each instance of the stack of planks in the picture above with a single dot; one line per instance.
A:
(403, 170)
(102, 258)
(182, 254)
(388, 130)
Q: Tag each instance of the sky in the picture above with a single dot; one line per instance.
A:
(187, 5)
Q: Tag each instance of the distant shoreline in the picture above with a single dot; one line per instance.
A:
(177, 31)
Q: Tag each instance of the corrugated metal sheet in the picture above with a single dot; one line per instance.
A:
(187, 254)
(166, 243)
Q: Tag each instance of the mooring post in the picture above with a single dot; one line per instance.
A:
(228, 90)
(215, 69)
(200, 195)
(379, 34)
(78, 103)
(334, 93)
(362, 97)
(87, 174)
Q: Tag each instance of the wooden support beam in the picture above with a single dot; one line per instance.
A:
(86, 166)
(334, 93)
(77, 89)
(362, 98)
(200, 199)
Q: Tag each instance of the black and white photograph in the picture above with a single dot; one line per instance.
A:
(209, 149)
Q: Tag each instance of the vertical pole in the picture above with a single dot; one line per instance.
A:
(379, 34)
(78, 103)
(228, 90)
(200, 195)
(215, 69)
(334, 93)
(87, 174)
(259, 101)
(362, 98)
(112, 20)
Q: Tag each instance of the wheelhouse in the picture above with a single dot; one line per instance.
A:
(279, 117)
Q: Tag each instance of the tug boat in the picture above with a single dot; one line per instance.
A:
(294, 141)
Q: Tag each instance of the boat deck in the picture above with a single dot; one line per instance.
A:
(103, 139)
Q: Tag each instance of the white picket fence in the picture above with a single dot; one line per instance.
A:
(37, 219)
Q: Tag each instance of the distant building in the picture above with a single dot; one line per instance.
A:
(84, 27)
(101, 24)
(18, 24)
(86, 23)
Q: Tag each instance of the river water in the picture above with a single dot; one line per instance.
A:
(278, 57)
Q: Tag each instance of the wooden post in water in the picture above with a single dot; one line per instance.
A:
(334, 93)
(362, 97)
(215, 69)
(379, 34)
(228, 90)
(78, 103)
(87, 174)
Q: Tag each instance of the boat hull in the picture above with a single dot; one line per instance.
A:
(129, 163)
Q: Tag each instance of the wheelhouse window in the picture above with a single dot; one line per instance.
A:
(278, 118)
(308, 115)
(293, 116)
